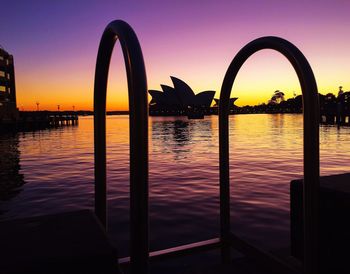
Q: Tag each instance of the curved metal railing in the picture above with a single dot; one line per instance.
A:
(138, 108)
(311, 146)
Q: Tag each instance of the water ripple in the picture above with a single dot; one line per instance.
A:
(265, 155)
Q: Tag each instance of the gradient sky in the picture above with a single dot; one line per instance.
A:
(55, 44)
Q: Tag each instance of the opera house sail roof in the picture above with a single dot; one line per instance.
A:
(179, 99)
(231, 102)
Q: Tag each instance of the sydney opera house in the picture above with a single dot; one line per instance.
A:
(180, 100)
(231, 103)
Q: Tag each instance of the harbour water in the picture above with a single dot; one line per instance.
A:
(51, 171)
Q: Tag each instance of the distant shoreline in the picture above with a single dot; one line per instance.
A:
(112, 113)
(79, 112)
(125, 112)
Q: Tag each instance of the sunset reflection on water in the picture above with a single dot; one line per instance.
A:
(265, 155)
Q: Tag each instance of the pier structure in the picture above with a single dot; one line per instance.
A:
(8, 107)
(335, 109)
(65, 119)
(13, 120)
(31, 120)
(39, 120)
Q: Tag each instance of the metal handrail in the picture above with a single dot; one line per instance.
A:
(311, 144)
(138, 108)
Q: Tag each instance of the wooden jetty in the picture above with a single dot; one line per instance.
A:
(335, 110)
(334, 118)
(37, 120)
(46, 119)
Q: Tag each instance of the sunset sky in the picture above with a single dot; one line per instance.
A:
(55, 44)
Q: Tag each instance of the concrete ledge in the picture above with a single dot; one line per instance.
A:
(334, 222)
(73, 242)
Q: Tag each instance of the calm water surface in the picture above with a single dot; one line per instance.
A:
(52, 171)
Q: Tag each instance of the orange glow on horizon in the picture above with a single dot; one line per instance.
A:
(55, 53)
(262, 74)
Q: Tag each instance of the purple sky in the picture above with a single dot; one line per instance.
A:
(55, 45)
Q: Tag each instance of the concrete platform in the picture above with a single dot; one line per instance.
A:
(243, 265)
(73, 242)
(334, 222)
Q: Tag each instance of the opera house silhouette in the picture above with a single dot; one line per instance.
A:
(231, 102)
(180, 100)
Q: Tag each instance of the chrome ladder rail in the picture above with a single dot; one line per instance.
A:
(311, 150)
(138, 108)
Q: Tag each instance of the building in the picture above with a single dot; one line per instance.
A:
(179, 100)
(8, 108)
